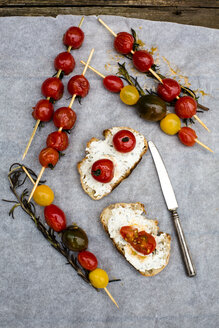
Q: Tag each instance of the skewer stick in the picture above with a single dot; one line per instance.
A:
(107, 27)
(203, 145)
(93, 69)
(31, 138)
(36, 183)
(110, 296)
(28, 174)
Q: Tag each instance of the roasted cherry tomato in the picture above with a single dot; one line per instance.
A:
(64, 61)
(99, 278)
(65, 118)
(75, 239)
(87, 260)
(141, 241)
(103, 170)
(48, 157)
(43, 195)
(187, 136)
(142, 60)
(55, 217)
(73, 37)
(113, 83)
(151, 108)
(57, 140)
(78, 85)
(123, 43)
(170, 124)
(53, 88)
(186, 107)
(169, 90)
(43, 110)
(129, 95)
(124, 141)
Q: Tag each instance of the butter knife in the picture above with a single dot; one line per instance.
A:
(172, 206)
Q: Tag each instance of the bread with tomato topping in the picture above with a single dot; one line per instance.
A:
(124, 163)
(118, 215)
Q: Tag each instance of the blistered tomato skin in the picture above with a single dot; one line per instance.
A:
(113, 83)
(187, 136)
(129, 95)
(142, 60)
(123, 43)
(43, 110)
(103, 170)
(78, 85)
(55, 217)
(43, 195)
(53, 88)
(186, 107)
(65, 118)
(99, 278)
(48, 157)
(64, 61)
(124, 141)
(151, 108)
(75, 239)
(73, 37)
(57, 140)
(169, 90)
(87, 260)
(170, 124)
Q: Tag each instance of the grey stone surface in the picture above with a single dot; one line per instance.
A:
(37, 289)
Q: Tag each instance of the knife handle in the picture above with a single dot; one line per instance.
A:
(184, 247)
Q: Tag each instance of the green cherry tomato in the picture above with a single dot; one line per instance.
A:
(99, 278)
(43, 195)
(151, 108)
(129, 95)
(170, 124)
(75, 238)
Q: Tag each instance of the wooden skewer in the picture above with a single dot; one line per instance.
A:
(110, 296)
(36, 183)
(107, 27)
(94, 70)
(203, 145)
(48, 98)
(28, 174)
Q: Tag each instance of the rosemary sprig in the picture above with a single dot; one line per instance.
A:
(123, 73)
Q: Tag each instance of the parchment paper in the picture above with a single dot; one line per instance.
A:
(37, 289)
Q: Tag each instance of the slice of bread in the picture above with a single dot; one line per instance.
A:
(118, 215)
(124, 163)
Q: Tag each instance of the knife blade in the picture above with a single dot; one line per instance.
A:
(172, 206)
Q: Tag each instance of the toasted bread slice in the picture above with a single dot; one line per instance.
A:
(124, 163)
(117, 215)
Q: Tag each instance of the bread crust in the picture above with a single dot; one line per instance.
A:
(104, 217)
(89, 190)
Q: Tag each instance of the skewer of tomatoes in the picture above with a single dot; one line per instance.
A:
(143, 61)
(73, 237)
(53, 88)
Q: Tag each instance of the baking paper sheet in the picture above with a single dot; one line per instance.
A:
(37, 289)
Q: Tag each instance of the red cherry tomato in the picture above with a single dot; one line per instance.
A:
(78, 85)
(43, 110)
(55, 217)
(187, 136)
(113, 83)
(141, 241)
(186, 107)
(73, 37)
(65, 118)
(124, 141)
(123, 43)
(48, 157)
(103, 170)
(64, 61)
(169, 90)
(142, 60)
(52, 87)
(57, 140)
(87, 260)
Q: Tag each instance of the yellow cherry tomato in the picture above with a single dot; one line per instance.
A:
(129, 95)
(43, 195)
(170, 124)
(99, 278)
